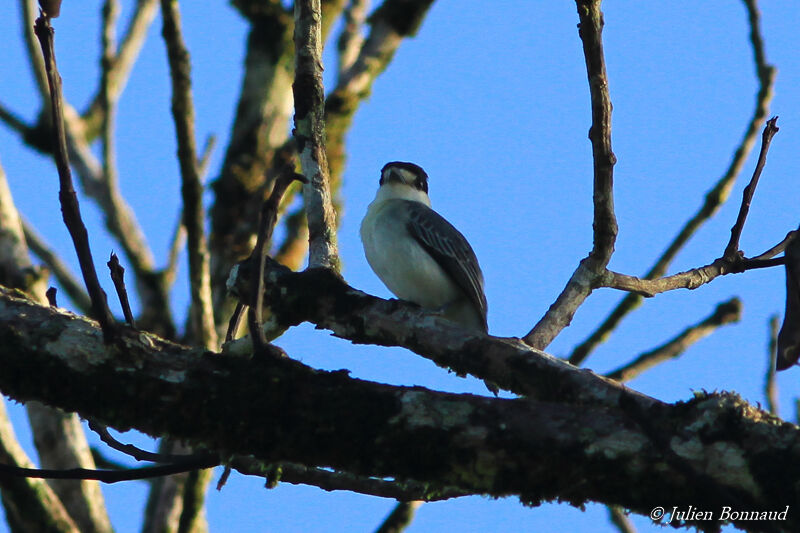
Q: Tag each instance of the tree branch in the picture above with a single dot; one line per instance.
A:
(732, 249)
(558, 450)
(770, 384)
(725, 313)
(191, 187)
(58, 268)
(120, 69)
(581, 284)
(714, 198)
(309, 133)
(69, 200)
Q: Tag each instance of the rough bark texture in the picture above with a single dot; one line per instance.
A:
(708, 452)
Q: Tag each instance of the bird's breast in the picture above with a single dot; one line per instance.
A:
(401, 262)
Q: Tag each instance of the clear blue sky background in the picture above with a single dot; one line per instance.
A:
(492, 100)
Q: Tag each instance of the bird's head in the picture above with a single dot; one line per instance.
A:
(402, 173)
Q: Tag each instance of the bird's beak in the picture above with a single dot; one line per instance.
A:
(395, 176)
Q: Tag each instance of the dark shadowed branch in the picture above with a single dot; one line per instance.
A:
(574, 453)
(69, 200)
(191, 186)
(770, 383)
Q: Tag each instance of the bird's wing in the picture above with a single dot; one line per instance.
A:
(450, 250)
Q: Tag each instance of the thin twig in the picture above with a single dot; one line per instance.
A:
(297, 474)
(179, 235)
(110, 13)
(778, 248)
(176, 244)
(268, 219)
(400, 517)
(35, 59)
(191, 186)
(118, 277)
(582, 281)
(60, 270)
(714, 198)
(620, 520)
(605, 222)
(309, 102)
(747, 196)
(143, 455)
(108, 476)
(69, 200)
(51, 296)
(117, 76)
(223, 478)
(770, 384)
(14, 121)
(725, 313)
(233, 323)
(351, 39)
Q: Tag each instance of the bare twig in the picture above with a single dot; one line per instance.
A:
(269, 216)
(51, 296)
(110, 13)
(233, 323)
(118, 277)
(179, 235)
(582, 282)
(59, 269)
(14, 121)
(223, 478)
(770, 384)
(605, 222)
(45, 511)
(143, 455)
(108, 476)
(788, 345)
(725, 313)
(620, 520)
(713, 199)
(778, 248)
(309, 101)
(351, 39)
(400, 517)
(177, 242)
(297, 474)
(35, 58)
(191, 188)
(69, 200)
(732, 249)
(124, 59)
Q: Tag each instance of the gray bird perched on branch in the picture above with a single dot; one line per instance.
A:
(418, 254)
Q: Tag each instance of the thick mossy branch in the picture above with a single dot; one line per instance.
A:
(700, 452)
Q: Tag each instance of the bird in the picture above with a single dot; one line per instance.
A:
(419, 255)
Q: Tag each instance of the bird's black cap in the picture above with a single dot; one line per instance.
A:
(421, 181)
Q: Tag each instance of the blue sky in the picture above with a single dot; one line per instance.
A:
(492, 100)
